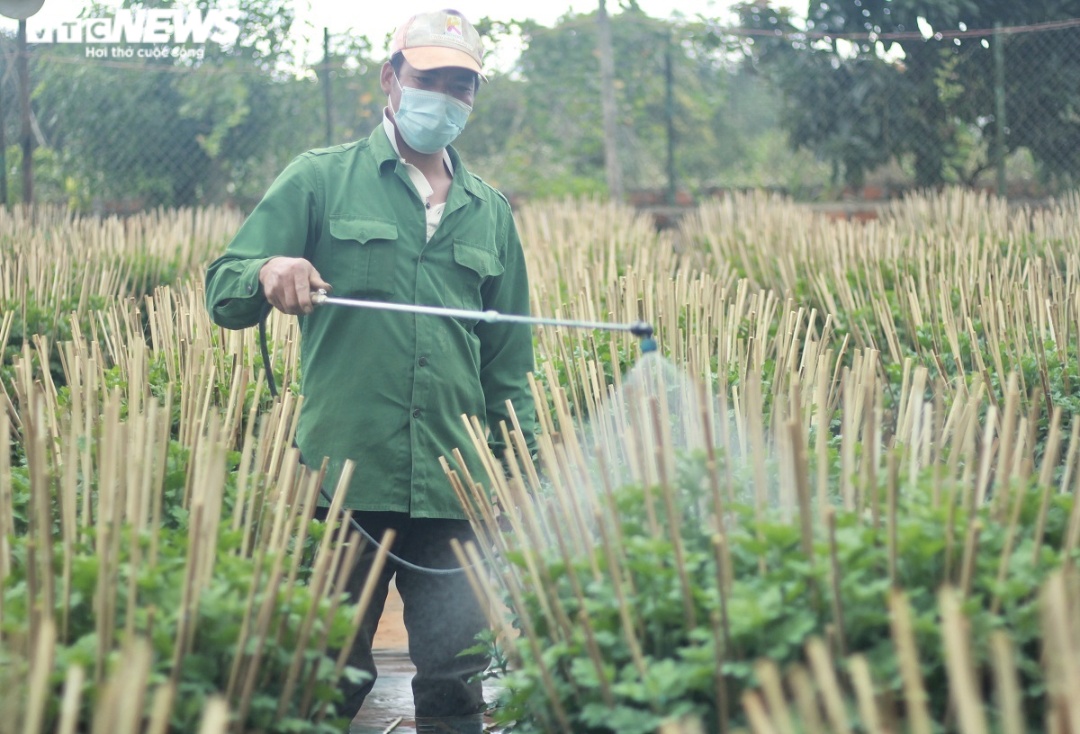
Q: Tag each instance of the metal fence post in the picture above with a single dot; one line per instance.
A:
(3, 146)
(999, 107)
(669, 111)
(27, 131)
(328, 97)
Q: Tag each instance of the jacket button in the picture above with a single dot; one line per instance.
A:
(416, 413)
(422, 362)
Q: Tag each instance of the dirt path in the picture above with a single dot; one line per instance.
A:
(391, 632)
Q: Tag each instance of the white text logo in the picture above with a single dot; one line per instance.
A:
(141, 26)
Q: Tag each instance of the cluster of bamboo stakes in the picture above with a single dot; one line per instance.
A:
(748, 287)
(50, 257)
(966, 268)
(962, 265)
(120, 437)
(641, 437)
(814, 696)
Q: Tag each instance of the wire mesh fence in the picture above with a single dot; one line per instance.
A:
(995, 108)
(817, 114)
(119, 127)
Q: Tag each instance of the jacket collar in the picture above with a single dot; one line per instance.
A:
(386, 158)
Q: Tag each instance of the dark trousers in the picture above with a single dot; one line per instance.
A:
(442, 615)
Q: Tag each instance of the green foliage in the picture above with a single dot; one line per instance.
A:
(219, 126)
(146, 594)
(70, 306)
(51, 181)
(537, 131)
(157, 616)
(41, 316)
(217, 115)
(861, 102)
(777, 600)
(157, 612)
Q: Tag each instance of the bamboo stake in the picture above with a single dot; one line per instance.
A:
(1070, 457)
(1007, 684)
(476, 508)
(871, 419)
(484, 588)
(324, 566)
(44, 645)
(530, 636)
(825, 675)
(892, 498)
(71, 701)
(366, 594)
(982, 487)
(266, 613)
(1072, 535)
(903, 635)
(963, 689)
(834, 577)
(7, 520)
(41, 553)
(720, 651)
(967, 568)
(675, 524)
(757, 443)
(756, 714)
(161, 707)
(1050, 457)
(871, 717)
(847, 440)
(806, 700)
(595, 655)
(215, 718)
(769, 678)
(340, 589)
(559, 613)
(1058, 606)
(1007, 437)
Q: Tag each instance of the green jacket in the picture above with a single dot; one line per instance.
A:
(388, 389)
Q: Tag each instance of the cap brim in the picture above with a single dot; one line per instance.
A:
(435, 57)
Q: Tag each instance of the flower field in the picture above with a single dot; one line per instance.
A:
(839, 498)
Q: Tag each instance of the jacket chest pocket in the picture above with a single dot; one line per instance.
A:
(475, 265)
(361, 258)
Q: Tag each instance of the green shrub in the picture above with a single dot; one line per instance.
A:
(147, 602)
(777, 599)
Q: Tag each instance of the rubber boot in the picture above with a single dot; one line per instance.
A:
(473, 724)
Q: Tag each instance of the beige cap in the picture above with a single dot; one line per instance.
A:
(442, 38)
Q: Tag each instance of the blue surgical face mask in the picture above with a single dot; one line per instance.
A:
(429, 121)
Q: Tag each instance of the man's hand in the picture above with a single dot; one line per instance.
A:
(288, 282)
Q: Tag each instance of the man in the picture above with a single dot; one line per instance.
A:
(397, 218)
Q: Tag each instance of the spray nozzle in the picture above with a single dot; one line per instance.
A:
(644, 331)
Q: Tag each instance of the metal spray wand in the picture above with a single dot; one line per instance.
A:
(640, 329)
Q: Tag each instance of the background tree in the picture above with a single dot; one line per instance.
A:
(170, 131)
(539, 129)
(120, 134)
(862, 85)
